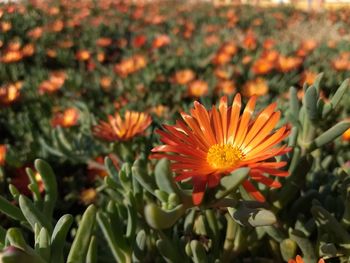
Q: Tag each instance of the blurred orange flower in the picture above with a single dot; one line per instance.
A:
(28, 50)
(299, 259)
(65, 44)
(262, 66)
(35, 33)
(139, 41)
(250, 41)
(104, 42)
(197, 88)
(83, 55)
(130, 65)
(269, 43)
(346, 135)
(159, 110)
(342, 62)
(161, 41)
(286, 64)
(88, 196)
(54, 83)
(3, 150)
(227, 87)
(306, 47)
(52, 53)
(5, 26)
(222, 73)
(122, 129)
(56, 26)
(308, 77)
(258, 87)
(11, 56)
(184, 76)
(66, 119)
(10, 93)
(229, 48)
(221, 58)
(105, 82)
(209, 144)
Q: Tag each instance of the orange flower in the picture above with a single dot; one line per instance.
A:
(229, 48)
(130, 65)
(256, 87)
(211, 40)
(105, 82)
(66, 119)
(5, 26)
(286, 64)
(184, 76)
(262, 66)
(139, 41)
(222, 73)
(221, 58)
(299, 259)
(28, 50)
(227, 87)
(250, 41)
(35, 33)
(197, 88)
(52, 53)
(83, 55)
(159, 110)
(161, 41)
(246, 60)
(104, 42)
(56, 26)
(3, 151)
(306, 47)
(88, 196)
(54, 83)
(118, 129)
(341, 64)
(345, 136)
(10, 93)
(209, 144)
(65, 44)
(270, 55)
(11, 56)
(308, 77)
(269, 43)
(101, 57)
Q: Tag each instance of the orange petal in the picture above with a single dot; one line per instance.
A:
(268, 127)
(198, 190)
(223, 113)
(270, 141)
(260, 121)
(243, 125)
(250, 188)
(233, 119)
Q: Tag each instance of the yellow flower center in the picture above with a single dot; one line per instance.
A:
(222, 156)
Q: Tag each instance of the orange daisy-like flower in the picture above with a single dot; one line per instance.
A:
(118, 129)
(3, 151)
(66, 119)
(209, 144)
(299, 259)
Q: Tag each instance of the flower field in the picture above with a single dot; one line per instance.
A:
(173, 132)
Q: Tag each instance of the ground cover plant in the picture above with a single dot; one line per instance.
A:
(168, 132)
